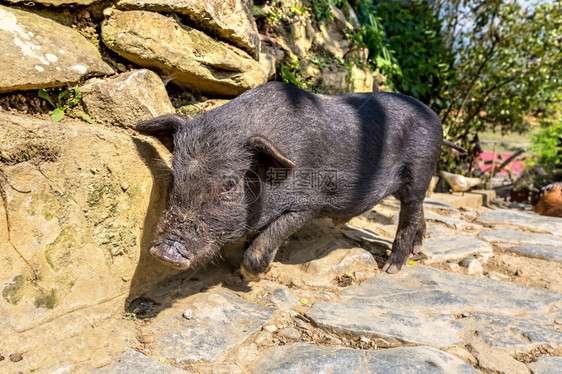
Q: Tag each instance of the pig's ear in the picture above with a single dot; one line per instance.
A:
(167, 124)
(268, 154)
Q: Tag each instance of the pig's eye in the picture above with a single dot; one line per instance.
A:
(228, 187)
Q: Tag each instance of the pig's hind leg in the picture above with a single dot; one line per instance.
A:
(408, 236)
(259, 255)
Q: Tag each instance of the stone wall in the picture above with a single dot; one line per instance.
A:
(80, 200)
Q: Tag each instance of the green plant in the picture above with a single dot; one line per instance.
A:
(508, 66)
(547, 148)
(373, 35)
(413, 31)
(66, 100)
(130, 316)
(288, 72)
(322, 10)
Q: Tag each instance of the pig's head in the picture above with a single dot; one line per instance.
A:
(216, 194)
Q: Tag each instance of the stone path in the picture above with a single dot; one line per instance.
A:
(324, 307)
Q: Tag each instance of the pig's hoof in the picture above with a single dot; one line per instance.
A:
(249, 276)
(390, 268)
(417, 249)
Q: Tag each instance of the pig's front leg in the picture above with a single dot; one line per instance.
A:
(261, 252)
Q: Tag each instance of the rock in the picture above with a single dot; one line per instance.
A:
(315, 257)
(350, 15)
(41, 53)
(446, 244)
(473, 265)
(341, 261)
(302, 35)
(283, 299)
(193, 59)
(305, 358)
(334, 79)
(515, 334)
(495, 360)
(191, 110)
(417, 305)
(289, 333)
(220, 368)
(132, 361)
(394, 326)
(81, 232)
(58, 2)
(451, 222)
(220, 320)
(538, 251)
(435, 204)
(550, 225)
(263, 338)
(366, 235)
(126, 99)
(268, 65)
(340, 18)
(546, 365)
(520, 237)
(361, 80)
(248, 353)
(272, 329)
(332, 40)
(230, 20)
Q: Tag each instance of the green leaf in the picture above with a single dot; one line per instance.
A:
(45, 95)
(76, 99)
(85, 117)
(63, 95)
(57, 115)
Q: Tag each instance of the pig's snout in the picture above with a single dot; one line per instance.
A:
(172, 254)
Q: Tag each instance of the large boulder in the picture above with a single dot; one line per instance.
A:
(57, 2)
(38, 53)
(191, 58)
(126, 99)
(78, 198)
(230, 20)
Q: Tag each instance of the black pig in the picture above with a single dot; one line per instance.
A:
(275, 157)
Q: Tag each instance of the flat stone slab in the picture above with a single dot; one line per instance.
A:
(538, 251)
(546, 365)
(417, 305)
(436, 204)
(132, 361)
(305, 358)
(446, 244)
(218, 320)
(533, 221)
(39, 53)
(393, 326)
(515, 334)
(451, 222)
(422, 288)
(520, 237)
(366, 235)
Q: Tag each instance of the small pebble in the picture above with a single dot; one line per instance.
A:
(188, 314)
(290, 333)
(453, 266)
(473, 265)
(302, 324)
(271, 328)
(263, 338)
(16, 357)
